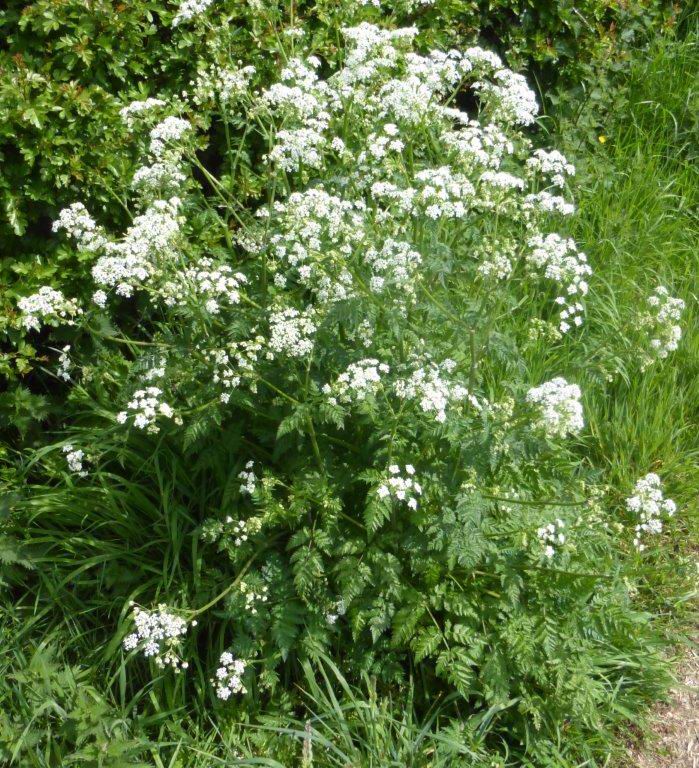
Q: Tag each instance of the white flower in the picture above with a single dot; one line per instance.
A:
(159, 178)
(545, 202)
(433, 392)
(477, 145)
(496, 256)
(250, 480)
(551, 534)
(564, 264)
(291, 332)
(403, 488)
(189, 9)
(253, 596)
(137, 108)
(170, 130)
(443, 193)
(559, 407)
(552, 164)
(501, 180)
(64, 363)
(222, 83)
(75, 458)
(509, 97)
(78, 223)
(47, 305)
(648, 503)
(145, 407)
(394, 265)
(361, 380)
(661, 320)
(229, 676)
(99, 298)
(151, 238)
(158, 635)
(214, 284)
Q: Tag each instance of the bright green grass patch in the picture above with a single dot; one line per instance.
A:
(638, 221)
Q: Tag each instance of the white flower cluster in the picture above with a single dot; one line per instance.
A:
(303, 100)
(372, 51)
(433, 392)
(316, 236)
(558, 403)
(291, 332)
(564, 264)
(229, 676)
(222, 83)
(159, 179)
(241, 530)
(314, 227)
(393, 266)
(65, 364)
(75, 458)
(443, 193)
(477, 145)
(253, 596)
(299, 92)
(501, 180)
(495, 257)
(78, 223)
(49, 306)
(361, 380)
(100, 298)
(544, 202)
(415, 97)
(244, 356)
(165, 133)
(499, 192)
(403, 488)
(649, 503)
(551, 535)
(552, 164)
(380, 145)
(249, 479)
(135, 109)
(661, 321)
(189, 9)
(145, 407)
(398, 86)
(150, 238)
(509, 97)
(213, 283)
(158, 635)
(302, 146)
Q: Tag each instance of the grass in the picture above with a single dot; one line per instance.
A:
(638, 222)
(63, 695)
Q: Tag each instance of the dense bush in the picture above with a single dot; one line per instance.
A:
(315, 411)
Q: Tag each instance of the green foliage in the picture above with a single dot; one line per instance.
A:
(458, 645)
(53, 716)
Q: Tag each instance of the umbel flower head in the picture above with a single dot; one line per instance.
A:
(661, 322)
(559, 409)
(649, 504)
(229, 676)
(158, 636)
